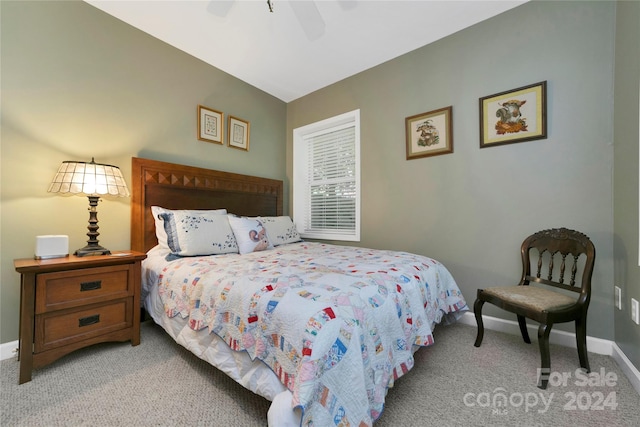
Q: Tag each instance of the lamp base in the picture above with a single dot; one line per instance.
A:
(93, 247)
(90, 250)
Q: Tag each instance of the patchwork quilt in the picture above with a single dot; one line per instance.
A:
(336, 324)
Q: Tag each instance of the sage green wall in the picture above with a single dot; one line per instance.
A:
(472, 209)
(627, 140)
(78, 83)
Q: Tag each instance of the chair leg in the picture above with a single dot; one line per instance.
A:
(545, 358)
(581, 341)
(477, 310)
(523, 329)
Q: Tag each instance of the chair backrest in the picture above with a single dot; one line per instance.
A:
(557, 249)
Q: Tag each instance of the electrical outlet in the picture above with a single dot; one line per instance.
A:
(618, 297)
(635, 311)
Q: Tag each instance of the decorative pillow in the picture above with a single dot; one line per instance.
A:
(280, 229)
(251, 235)
(161, 235)
(192, 233)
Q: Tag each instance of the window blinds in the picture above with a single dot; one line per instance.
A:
(331, 181)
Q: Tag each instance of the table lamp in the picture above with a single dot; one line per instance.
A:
(93, 180)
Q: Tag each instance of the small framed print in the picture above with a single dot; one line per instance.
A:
(516, 115)
(238, 133)
(429, 134)
(210, 125)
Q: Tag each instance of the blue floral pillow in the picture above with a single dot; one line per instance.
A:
(191, 233)
(280, 229)
(161, 235)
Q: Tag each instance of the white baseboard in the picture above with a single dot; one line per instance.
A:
(626, 366)
(567, 339)
(9, 350)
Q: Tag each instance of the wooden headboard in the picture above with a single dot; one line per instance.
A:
(174, 186)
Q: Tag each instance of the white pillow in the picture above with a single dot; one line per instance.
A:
(161, 235)
(250, 234)
(191, 233)
(280, 229)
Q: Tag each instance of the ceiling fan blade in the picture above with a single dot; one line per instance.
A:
(309, 18)
(220, 7)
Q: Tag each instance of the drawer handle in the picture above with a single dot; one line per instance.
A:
(89, 320)
(90, 286)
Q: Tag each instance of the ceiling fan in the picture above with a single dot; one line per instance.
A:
(305, 11)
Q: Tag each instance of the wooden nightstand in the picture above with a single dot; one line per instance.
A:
(72, 302)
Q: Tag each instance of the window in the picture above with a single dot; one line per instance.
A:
(326, 178)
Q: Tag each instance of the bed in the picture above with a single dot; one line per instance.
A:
(322, 331)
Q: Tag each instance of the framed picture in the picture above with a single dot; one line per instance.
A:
(238, 133)
(210, 125)
(514, 116)
(429, 134)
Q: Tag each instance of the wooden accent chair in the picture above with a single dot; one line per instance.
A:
(546, 306)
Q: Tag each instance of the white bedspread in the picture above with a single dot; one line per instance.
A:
(336, 324)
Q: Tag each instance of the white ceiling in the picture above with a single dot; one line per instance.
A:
(303, 45)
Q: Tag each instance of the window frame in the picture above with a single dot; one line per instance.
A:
(301, 193)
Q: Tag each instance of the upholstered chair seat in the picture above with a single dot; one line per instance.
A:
(531, 297)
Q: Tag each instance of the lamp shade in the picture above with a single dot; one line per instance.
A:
(89, 179)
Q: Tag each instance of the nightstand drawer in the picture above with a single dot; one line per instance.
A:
(69, 326)
(65, 289)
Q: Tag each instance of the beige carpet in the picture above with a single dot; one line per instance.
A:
(158, 383)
